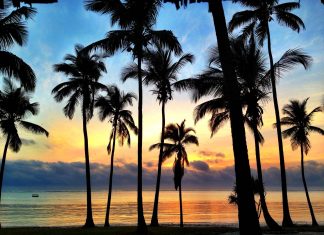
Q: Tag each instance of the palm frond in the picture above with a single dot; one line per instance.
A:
(166, 39)
(13, 66)
(290, 20)
(34, 128)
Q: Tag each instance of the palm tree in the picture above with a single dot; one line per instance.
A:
(135, 19)
(180, 136)
(162, 73)
(113, 107)
(248, 219)
(83, 71)
(251, 70)
(254, 84)
(232, 198)
(299, 127)
(15, 107)
(13, 31)
(259, 17)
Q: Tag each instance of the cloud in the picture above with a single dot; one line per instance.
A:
(212, 154)
(198, 176)
(28, 141)
(200, 165)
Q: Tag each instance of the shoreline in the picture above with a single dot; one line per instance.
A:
(162, 230)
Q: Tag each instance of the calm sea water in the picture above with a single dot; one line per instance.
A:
(66, 208)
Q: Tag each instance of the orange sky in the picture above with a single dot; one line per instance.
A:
(48, 45)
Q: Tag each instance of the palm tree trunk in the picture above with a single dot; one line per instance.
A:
(286, 222)
(154, 220)
(180, 199)
(110, 177)
(141, 225)
(272, 224)
(248, 218)
(3, 163)
(89, 221)
(314, 222)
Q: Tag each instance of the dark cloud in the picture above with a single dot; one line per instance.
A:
(212, 154)
(198, 176)
(200, 165)
(28, 141)
(150, 164)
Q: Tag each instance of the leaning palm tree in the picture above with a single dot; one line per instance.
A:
(83, 71)
(258, 18)
(299, 126)
(13, 31)
(162, 73)
(254, 84)
(136, 19)
(15, 107)
(180, 136)
(113, 107)
(248, 219)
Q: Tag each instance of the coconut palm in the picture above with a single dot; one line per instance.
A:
(13, 31)
(251, 70)
(248, 219)
(254, 84)
(112, 107)
(15, 107)
(298, 121)
(180, 136)
(136, 19)
(232, 198)
(261, 13)
(162, 73)
(83, 70)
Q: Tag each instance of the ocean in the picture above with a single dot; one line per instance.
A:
(68, 208)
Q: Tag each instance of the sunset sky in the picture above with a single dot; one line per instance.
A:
(58, 27)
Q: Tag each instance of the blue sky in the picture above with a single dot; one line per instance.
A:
(58, 27)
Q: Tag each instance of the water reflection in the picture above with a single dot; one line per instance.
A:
(68, 208)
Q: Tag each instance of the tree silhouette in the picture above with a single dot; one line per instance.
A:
(161, 72)
(135, 19)
(13, 31)
(83, 71)
(299, 126)
(261, 13)
(180, 136)
(15, 107)
(232, 198)
(254, 84)
(248, 219)
(112, 107)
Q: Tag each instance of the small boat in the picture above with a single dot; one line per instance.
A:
(35, 195)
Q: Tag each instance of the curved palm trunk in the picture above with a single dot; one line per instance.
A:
(314, 222)
(89, 221)
(154, 220)
(141, 225)
(248, 218)
(286, 222)
(272, 224)
(180, 200)
(110, 178)
(4, 156)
